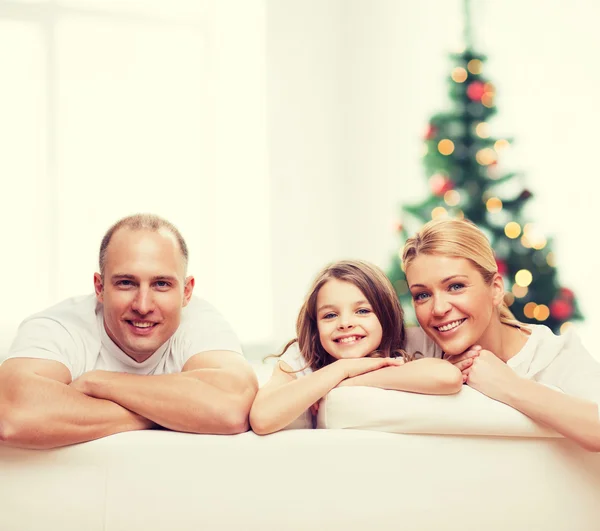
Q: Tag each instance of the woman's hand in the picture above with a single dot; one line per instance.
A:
(484, 371)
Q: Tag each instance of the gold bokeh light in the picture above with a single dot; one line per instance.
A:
(565, 326)
(512, 230)
(494, 204)
(486, 156)
(482, 130)
(529, 309)
(459, 74)
(446, 146)
(519, 291)
(541, 312)
(499, 145)
(439, 213)
(523, 277)
(452, 198)
(475, 66)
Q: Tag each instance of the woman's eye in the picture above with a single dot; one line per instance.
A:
(456, 286)
(420, 296)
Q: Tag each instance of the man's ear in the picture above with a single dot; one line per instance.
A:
(99, 287)
(498, 289)
(188, 288)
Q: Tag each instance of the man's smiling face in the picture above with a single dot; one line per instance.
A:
(143, 290)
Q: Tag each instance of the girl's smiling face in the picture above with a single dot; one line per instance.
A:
(347, 325)
(453, 304)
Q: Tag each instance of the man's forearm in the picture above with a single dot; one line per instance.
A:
(199, 401)
(39, 413)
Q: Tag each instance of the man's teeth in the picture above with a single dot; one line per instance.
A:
(350, 339)
(141, 324)
(449, 326)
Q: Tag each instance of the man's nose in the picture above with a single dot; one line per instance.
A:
(144, 301)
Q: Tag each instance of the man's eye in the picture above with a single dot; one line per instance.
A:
(162, 284)
(124, 283)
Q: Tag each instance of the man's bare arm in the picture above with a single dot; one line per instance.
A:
(38, 408)
(213, 393)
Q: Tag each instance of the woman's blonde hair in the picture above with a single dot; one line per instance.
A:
(377, 289)
(459, 239)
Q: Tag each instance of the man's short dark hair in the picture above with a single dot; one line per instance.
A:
(149, 222)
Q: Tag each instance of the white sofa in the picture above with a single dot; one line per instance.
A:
(344, 479)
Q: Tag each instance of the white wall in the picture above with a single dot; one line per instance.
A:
(278, 134)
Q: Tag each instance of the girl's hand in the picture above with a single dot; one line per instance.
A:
(489, 375)
(356, 366)
(465, 360)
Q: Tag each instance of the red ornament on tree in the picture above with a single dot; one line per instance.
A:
(440, 184)
(431, 132)
(476, 90)
(566, 294)
(502, 267)
(561, 309)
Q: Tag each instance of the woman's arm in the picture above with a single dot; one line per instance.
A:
(285, 397)
(428, 376)
(575, 418)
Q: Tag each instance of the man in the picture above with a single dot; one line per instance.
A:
(141, 353)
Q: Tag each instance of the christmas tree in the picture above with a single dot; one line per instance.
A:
(462, 163)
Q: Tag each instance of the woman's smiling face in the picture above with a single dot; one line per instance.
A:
(453, 304)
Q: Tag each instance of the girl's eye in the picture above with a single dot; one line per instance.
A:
(329, 316)
(363, 311)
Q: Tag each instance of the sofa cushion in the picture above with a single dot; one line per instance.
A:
(468, 412)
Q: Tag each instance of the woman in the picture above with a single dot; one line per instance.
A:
(458, 296)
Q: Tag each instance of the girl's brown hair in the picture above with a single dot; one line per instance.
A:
(377, 289)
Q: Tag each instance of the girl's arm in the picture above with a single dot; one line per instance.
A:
(285, 397)
(429, 376)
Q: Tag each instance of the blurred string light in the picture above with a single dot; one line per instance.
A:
(439, 213)
(512, 230)
(493, 204)
(482, 130)
(475, 66)
(550, 259)
(459, 74)
(452, 198)
(528, 309)
(519, 291)
(565, 326)
(446, 146)
(541, 312)
(499, 145)
(523, 277)
(534, 237)
(486, 156)
(488, 95)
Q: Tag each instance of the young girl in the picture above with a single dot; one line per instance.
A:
(350, 332)
(458, 296)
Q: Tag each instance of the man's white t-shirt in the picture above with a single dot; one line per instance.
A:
(72, 333)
